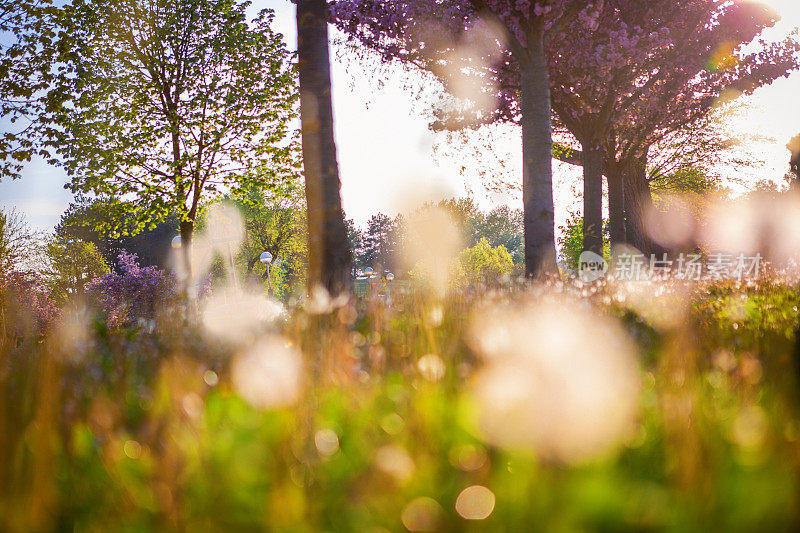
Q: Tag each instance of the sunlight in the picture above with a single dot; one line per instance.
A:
(789, 10)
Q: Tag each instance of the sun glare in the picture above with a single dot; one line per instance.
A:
(789, 10)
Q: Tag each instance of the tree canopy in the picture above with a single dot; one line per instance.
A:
(623, 74)
(161, 107)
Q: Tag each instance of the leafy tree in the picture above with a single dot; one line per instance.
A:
(794, 163)
(501, 226)
(25, 306)
(685, 179)
(355, 237)
(378, 244)
(483, 266)
(381, 242)
(646, 70)
(71, 265)
(571, 242)
(274, 223)
(18, 243)
(161, 107)
(652, 70)
(330, 263)
(21, 78)
(84, 219)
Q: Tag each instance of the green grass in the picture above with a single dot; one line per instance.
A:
(139, 431)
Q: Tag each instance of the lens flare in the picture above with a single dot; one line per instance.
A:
(433, 242)
(327, 442)
(431, 367)
(395, 461)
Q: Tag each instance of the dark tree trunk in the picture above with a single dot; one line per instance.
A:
(329, 253)
(616, 206)
(638, 201)
(592, 197)
(187, 231)
(537, 152)
(794, 162)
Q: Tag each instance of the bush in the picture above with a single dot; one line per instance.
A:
(570, 242)
(483, 266)
(134, 295)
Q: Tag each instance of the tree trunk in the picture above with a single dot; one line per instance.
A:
(537, 152)
(329, 253)
(616, 206)
(187, 231)
(592, 197)
(638, 201)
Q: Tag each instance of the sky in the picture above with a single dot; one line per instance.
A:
(390, 161)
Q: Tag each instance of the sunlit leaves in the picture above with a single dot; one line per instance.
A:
(164, 106)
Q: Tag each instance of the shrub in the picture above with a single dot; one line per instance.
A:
(483, 266)
(136, 294)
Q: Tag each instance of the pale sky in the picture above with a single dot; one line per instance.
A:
(386, 151)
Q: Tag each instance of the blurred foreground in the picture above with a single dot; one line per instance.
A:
(651, 405)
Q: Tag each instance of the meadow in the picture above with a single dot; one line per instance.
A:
(555, 406)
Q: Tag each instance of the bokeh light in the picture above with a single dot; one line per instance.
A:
(475, 503)
(560, 379)
(269, 374)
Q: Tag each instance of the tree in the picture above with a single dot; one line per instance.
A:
(18, 243)
(161, 107)
(21, 77)
(330, 263)
(481, 36)
(133, 294)
(71, 265)
(378, 245)
(646, 75)
(794, 163)
(25, 306)
(381, 242)
(355, 238)
(84, 220)
(483, 266)
(501, 226)
(688, 159)
(274, 223)
(640, 75)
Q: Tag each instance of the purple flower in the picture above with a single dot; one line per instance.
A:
(24, 293)
(135, 295)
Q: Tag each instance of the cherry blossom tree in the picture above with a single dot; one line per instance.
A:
(646, 70)
(646, 73)
(485, 36)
